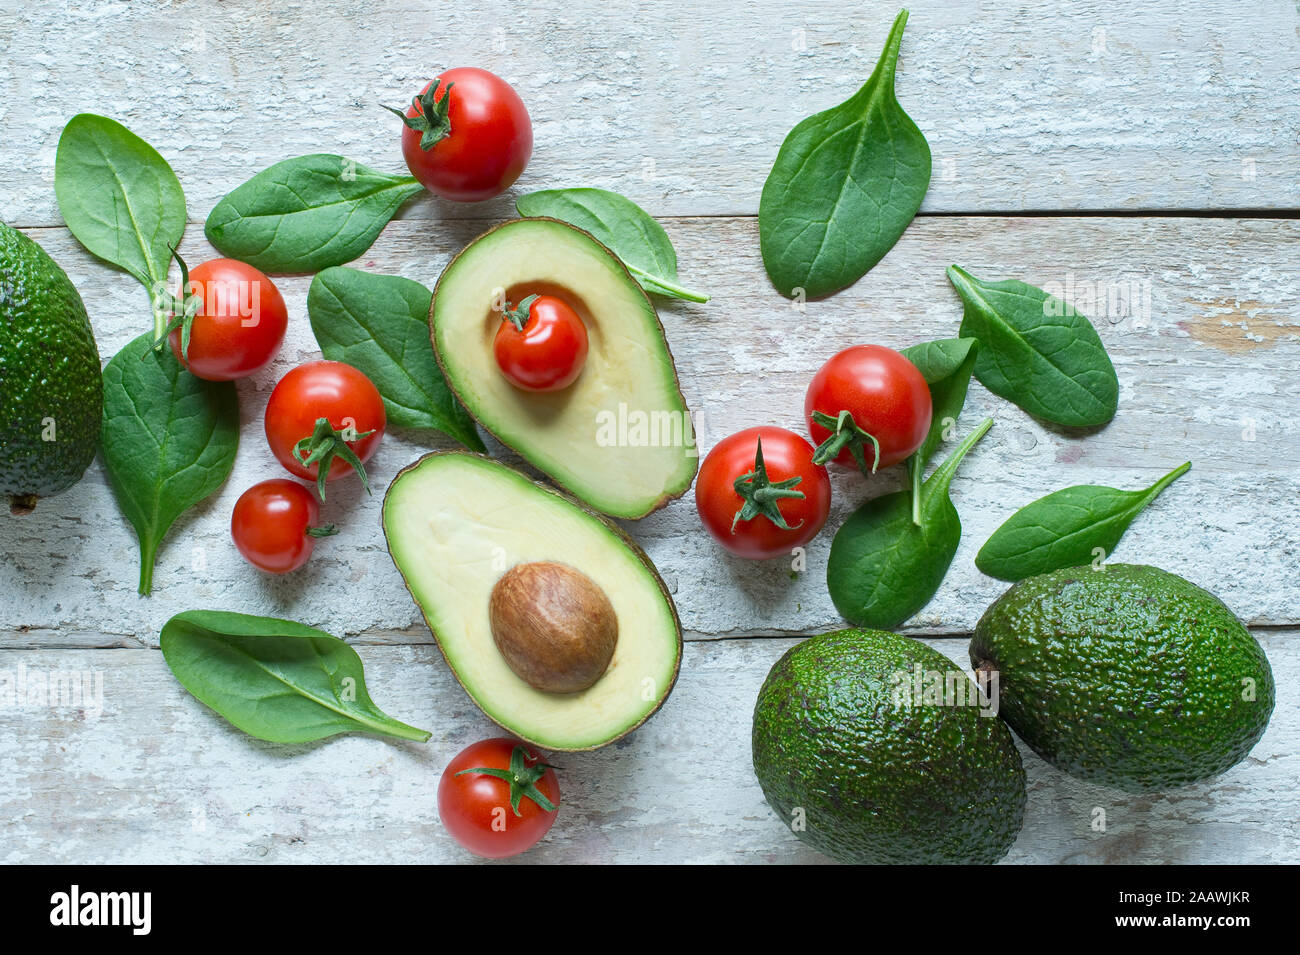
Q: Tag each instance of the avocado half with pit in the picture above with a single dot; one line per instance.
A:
(620, 437)
(459, 523)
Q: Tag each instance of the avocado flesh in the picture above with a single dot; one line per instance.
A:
(51, 388)
(456, 522)
(879, 778)
(573, 435)
(1128, 676)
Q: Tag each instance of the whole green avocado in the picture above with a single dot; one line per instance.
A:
(873, 748)
(51, 389)
(1128, 676)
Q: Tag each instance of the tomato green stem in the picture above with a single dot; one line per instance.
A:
(431, 120)
(174, 312)
(762, 495)
(522, 779)
(322, 445)
(845, 433)
(518, 316)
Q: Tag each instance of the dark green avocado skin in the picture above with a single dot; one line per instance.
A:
(879, 781)
(1127, 676)
(50, 381)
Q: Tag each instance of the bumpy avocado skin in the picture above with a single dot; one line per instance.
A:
(50, 381)
(880, 781)
(1127, 676)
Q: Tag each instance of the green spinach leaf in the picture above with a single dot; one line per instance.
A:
(275, 679)
(1064, 528)
(307, 213)
(883, 567)
(845, 185)
(380, 324)
(946, 365)
(620, 225)
(1037, 352)
(168, 440)
(119, 198)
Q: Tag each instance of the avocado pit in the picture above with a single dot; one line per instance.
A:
(554, 626)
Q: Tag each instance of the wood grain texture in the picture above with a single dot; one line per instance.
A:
(1214, 351)
(682, 105)
(157, 777)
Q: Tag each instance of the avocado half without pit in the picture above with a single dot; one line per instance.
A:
(619, 437)
(554, 626)
(550, 617)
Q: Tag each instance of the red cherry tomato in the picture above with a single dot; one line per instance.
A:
(469, 144)
(340, 394)
(240, 326)
(548, 353)
(275, 525)
(787, 465)
(886, 396)
(476, 808)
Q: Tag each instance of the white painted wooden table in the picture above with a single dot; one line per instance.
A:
(1174, 128)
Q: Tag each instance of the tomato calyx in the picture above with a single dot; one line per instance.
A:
(845, 433)
(761, 495)
(180, 310)
(321, 446)
(518, 316)
(325, 530)
(522, 779)
(430, 120)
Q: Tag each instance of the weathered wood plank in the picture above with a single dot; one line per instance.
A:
(156, 777)
(1213, 351)
(682, 105)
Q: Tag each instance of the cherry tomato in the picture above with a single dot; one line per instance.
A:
(781, 487)
(470, 143)
(353, 421)
(545, 354)
(275, 525)
(240, 325)
(492, 816)
(886, 397)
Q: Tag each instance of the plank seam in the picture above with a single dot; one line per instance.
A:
(1267, 214)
